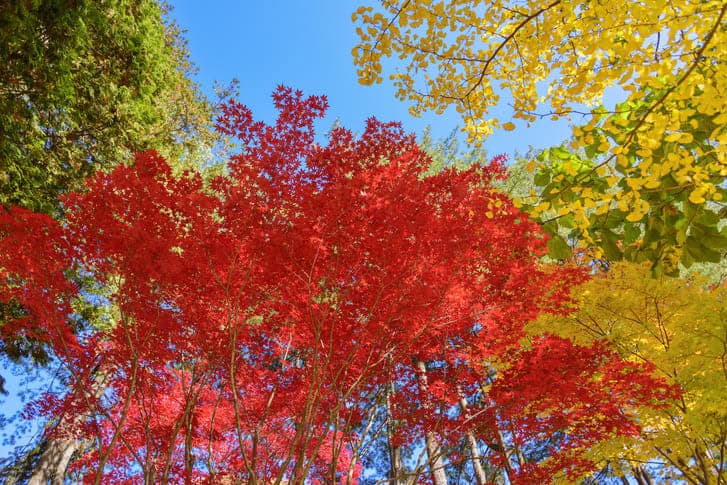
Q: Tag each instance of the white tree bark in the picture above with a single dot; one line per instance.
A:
(57, 455)
(54, 462)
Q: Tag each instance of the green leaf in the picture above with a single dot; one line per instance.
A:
(560, 152)
(614, 219)
(681, 236)
(542, 178)
(687, 259)
(567, 221)
(591, 151)
(631, 233)
(551, 227)
(707, 218)
(558, 248)
(657, 269)
(609, 244)
(699, 252)
(681, 223)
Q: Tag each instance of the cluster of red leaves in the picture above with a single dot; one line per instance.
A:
(260, 312)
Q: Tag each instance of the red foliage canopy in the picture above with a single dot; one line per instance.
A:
(259, 319)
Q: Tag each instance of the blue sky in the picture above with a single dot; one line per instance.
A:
(307, 45)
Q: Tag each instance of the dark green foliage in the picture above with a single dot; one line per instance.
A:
(84, 84)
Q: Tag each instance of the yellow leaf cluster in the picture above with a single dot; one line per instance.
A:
(558, 57)
(681, 329)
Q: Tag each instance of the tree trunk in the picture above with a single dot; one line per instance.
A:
(396, 464)
(434, 450)
(436, 464)
(480, 475)
(57, 455)
(54, 461)
(642, 476)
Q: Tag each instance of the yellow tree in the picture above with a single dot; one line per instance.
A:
(681, 328)
(557, 58)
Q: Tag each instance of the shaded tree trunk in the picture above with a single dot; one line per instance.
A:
(396, 464)
(57, 454)
(434, 450)
(54, 461)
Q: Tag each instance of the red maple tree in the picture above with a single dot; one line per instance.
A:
(263, 322)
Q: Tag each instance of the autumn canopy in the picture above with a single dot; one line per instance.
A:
(261, 326)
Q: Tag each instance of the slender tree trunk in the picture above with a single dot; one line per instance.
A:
(396, 467)
(188, 454)
(436, 464)
(434, 450)
(480, 475)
